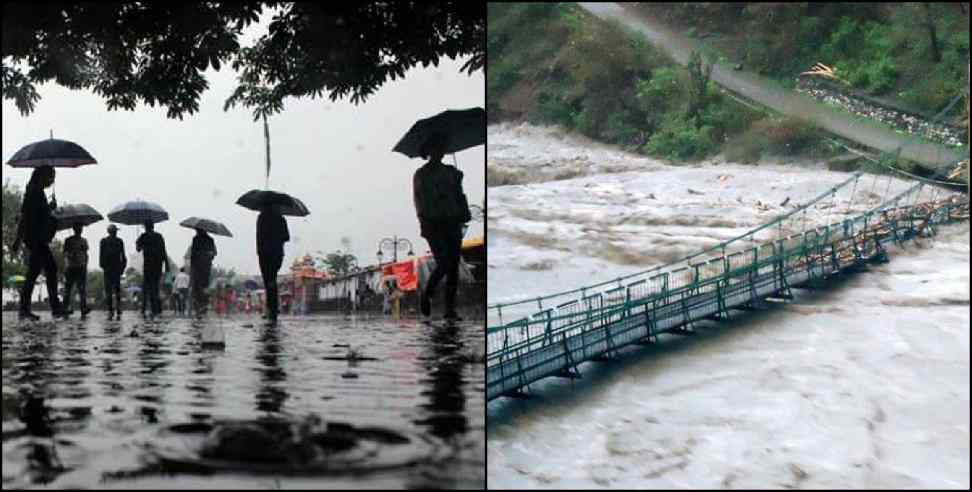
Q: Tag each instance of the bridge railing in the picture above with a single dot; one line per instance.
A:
(500, 313)
(595, 310)
(822, 249)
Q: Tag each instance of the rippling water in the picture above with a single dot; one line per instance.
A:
(863, 384)
(110, 393)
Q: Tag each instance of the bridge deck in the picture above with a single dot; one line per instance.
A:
(553, 342)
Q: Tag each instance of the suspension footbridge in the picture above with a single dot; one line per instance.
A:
(550, 336)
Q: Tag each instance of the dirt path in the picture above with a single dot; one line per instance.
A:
(766, 92)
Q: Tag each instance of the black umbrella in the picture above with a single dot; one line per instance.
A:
(463, 129)
(210, 226)
(284, 203)
(51, 152)
(69, 215)
(137, 212)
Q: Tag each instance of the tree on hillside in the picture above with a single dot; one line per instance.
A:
(155, 52)
(699, 74)
(12, 198)
(929, 23)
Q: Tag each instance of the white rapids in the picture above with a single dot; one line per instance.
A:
(864, 384)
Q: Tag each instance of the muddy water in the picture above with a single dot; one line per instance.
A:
(110, 396)
(864, 384)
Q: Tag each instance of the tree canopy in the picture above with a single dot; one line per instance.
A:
(338, 264)
(156, 52)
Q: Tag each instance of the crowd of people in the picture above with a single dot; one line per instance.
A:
(36, 229)
(440, 205)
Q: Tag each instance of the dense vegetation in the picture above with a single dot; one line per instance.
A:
(914, 52)
(554, 63)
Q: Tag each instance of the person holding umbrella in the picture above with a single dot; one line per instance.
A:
(440, 204)
(140, 212)
(76, 216)
(113, 262)
(152, 246)
(200, 256)
(272, 233)
(442, 211)
(36, 230)
(202, 253)
(76, 271)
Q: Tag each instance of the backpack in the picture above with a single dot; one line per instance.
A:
(439, 194)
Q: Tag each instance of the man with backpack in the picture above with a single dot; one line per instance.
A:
(76, 273)
(442, 211)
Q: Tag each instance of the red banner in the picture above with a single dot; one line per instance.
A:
(405, 272)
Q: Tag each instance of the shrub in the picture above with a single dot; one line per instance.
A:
(587, 121)
(658, 93)
(553, 108)
(502, 76)
(622, 127)
(727, 117)
(787, 136)
(872, 66)
(746, 148)
(679, 139)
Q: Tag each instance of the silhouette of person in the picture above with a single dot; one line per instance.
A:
(182, 290)
(272, 233)
(442, 210)
(201, 255)
(36, 230)
(152, 246)
(113, 262)
(76, 270)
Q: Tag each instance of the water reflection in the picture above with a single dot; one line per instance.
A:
(82, 401)
(447, 401)
(271, 396)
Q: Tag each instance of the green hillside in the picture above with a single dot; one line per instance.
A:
(556, 64)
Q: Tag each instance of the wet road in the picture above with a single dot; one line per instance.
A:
(108, 394)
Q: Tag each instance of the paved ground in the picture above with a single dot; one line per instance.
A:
(111, 387)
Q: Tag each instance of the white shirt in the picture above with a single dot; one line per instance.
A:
(182, 281)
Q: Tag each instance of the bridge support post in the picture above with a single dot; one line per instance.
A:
(784, 291)
(880, 254)
(721, 314)
(570, 370)
(650, 327)
(834, 260)
(755, 302)
(687, 326)
(610, 353)
(519, 370)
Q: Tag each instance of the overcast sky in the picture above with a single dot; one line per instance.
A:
(335, 156)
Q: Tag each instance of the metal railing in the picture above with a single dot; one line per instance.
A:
(555, 339)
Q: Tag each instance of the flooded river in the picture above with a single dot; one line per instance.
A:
(864, 384)
(121, 397)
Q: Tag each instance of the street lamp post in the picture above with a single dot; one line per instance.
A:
(393, 242)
